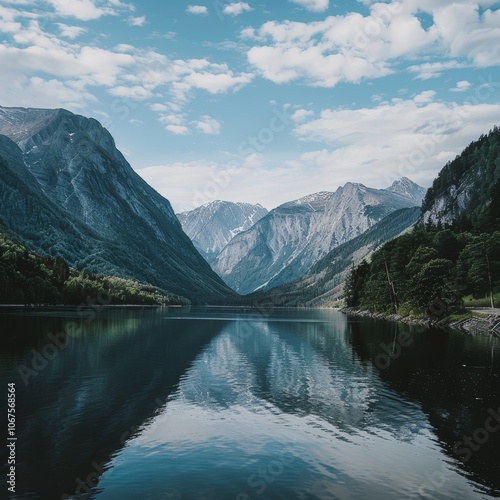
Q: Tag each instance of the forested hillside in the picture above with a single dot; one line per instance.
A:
(453, 252)
(461, 195)
(30, 278)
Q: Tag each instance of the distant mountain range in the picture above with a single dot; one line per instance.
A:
(286, 242)
(67, 191)
(212, 226)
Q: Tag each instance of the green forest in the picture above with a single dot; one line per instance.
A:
(30, 278)
(427, 272)
(439, 267)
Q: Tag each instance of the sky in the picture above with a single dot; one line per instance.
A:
(263, 101)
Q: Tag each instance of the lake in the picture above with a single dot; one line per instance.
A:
(215, 403)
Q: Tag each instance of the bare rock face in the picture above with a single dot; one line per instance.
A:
(212, 226)
(72, 166)
(285, 243)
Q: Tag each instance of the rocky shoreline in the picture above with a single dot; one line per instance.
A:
(489, 325)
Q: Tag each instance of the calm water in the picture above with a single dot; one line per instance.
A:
(227, 404)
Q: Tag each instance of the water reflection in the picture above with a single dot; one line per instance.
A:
(222, 404)
(455, 378)
(99, 391)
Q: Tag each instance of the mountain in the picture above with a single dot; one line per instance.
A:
(213, 225)
(322, 284)
(67, 191)
(464, 189)
(409, 189)
(285, 243)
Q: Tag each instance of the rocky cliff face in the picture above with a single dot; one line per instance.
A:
(72, 164)
(284, 244)
(213, 225)
(465, 189)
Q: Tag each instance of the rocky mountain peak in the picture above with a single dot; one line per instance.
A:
(214, 224)
(409, 189)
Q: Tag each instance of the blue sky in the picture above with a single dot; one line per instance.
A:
(263, 101)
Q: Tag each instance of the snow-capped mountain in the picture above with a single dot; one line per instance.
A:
(284, 244)
(67, 191)
(213, 225)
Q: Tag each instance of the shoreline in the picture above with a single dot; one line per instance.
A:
(474, 325)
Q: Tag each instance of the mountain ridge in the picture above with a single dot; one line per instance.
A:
(284, 244)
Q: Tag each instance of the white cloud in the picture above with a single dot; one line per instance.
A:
(301, 114)
(125, 71)
(172, 119)
(313, 5)
(177, 129)
(199, 10)
(461, 86)
(52, 93)
(191, 184)
(168, 35)
(413, 137)
(135, 92)
(352, 47)
(182, 77)
(254, 160)
(208, 125)
(217, 82)
(9, 19)
(426, 71)
(71, 32)
(158, 107)
(424, 97)
(136, 21)
(468, 34)
(236, 8)
(84, 10)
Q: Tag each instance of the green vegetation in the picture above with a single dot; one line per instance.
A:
(430, 270)
(427, 272)
(29, 278)
(470, 301)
